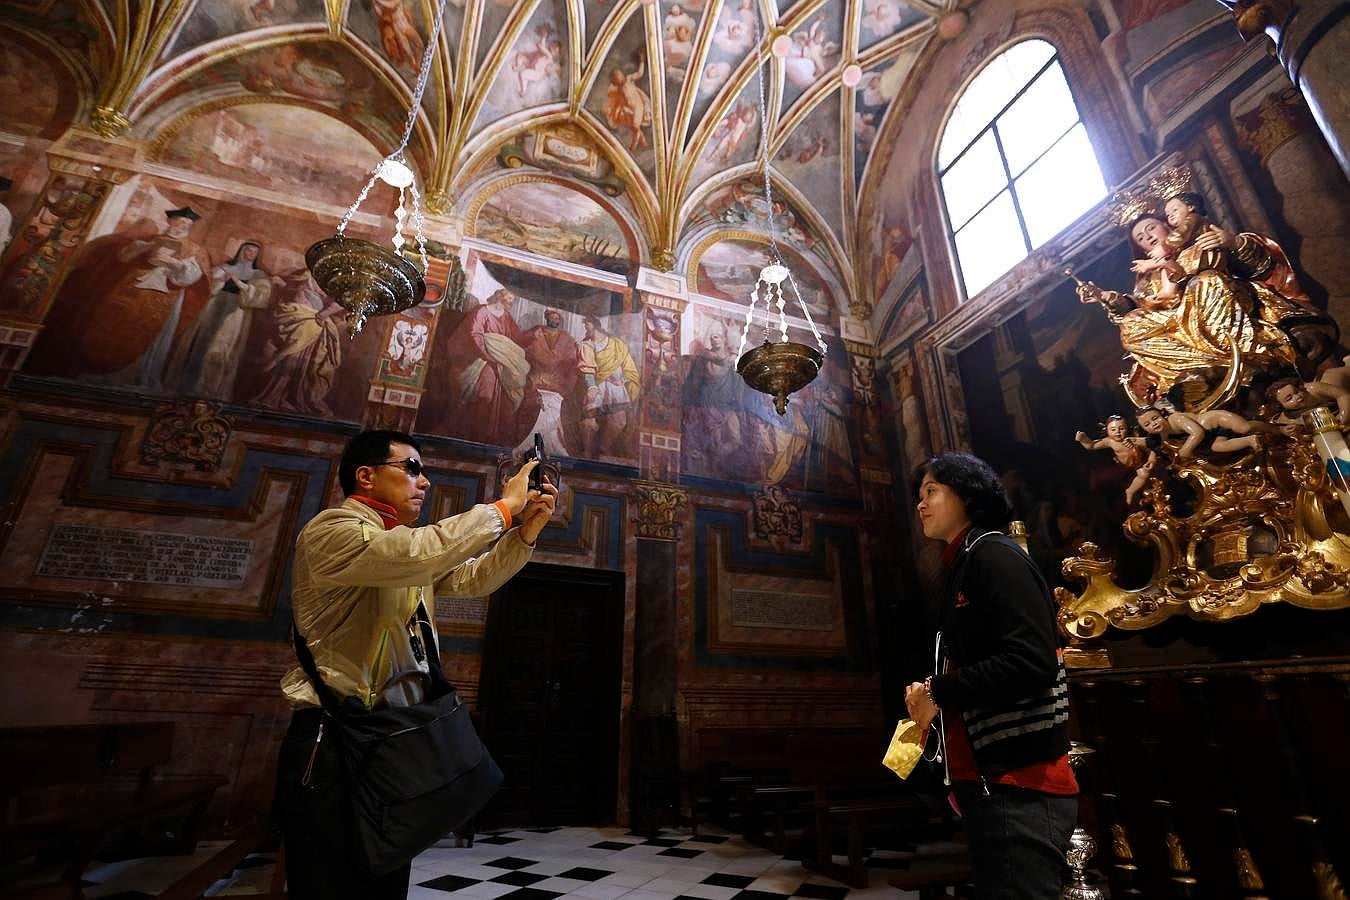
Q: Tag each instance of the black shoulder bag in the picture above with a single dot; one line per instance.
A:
(413, 773)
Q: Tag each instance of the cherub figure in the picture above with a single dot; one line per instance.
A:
(735, 28)
(536, 64)
(1296, 397)
(727, 137)
(627, 104)
(1216, 430)
(1131, 451)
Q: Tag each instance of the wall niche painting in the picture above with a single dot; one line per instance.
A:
(534, 352)
(729, 268)
(1047, 372)
(910, 314)
(556, 221)
(225, 18)
(320, 74)
(30, 95)
(282, 148)
(195, 297)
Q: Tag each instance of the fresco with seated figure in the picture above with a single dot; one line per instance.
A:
(533, 352)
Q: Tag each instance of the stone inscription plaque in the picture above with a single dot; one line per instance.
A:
(462, 610)
(766, 609)
(97, 553)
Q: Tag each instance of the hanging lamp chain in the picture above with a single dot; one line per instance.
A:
(764, 131)
(418, 90)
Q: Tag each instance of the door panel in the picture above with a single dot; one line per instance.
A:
(550, 695)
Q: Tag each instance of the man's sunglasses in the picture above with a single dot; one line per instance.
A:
(413, 467)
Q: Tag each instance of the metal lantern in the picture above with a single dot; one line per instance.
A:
(365, 278)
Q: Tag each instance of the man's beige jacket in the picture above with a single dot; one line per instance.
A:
(356, 588)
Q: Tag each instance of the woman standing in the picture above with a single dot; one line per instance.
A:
(999, 696)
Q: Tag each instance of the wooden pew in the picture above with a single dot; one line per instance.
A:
(905, 814)
(86, 762)
(825, 764)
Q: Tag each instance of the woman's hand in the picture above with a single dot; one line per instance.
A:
(919, 702)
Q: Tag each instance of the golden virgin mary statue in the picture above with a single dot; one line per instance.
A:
(1210, 309)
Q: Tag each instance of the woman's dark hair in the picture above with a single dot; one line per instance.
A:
(974, 482)
(367, 449)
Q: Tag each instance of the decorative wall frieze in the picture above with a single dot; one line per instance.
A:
(661, 510)
(777, 515)
(187, 431)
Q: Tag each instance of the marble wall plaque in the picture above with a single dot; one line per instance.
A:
(462, 610)
(149, 557)
(795, 612)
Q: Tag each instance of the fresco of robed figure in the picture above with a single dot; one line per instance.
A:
(537, 354)
(190, 308)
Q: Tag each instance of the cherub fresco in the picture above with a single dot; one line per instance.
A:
(880, 17)
(872, 90)
(735, 28)
(732, 131)
(812, 55)
(627, 105)
(537, 65)
(677, 37)
(398, 36)
(714, 76)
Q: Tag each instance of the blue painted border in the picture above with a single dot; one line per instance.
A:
(23, 442)
(17, 454)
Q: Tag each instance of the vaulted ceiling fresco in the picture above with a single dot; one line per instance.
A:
(661, 93)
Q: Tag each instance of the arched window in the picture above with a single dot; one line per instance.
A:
(1015, 163)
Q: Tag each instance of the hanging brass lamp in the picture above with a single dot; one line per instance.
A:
(782, 367)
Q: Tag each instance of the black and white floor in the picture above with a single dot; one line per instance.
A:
(545, 863)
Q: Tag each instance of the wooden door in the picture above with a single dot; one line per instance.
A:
(550, 695)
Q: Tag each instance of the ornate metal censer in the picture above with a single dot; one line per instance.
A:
(780, 367)
(777, 368)
(365, 278)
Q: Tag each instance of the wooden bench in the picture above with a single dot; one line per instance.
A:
(825, 764)
(857, 818)
(86, 762)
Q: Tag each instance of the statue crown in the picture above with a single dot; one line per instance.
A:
(1128, 206)
(1171, 181)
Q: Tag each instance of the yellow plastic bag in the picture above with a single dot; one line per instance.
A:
(906, 748)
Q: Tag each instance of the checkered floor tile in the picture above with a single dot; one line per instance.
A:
(545, 863)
